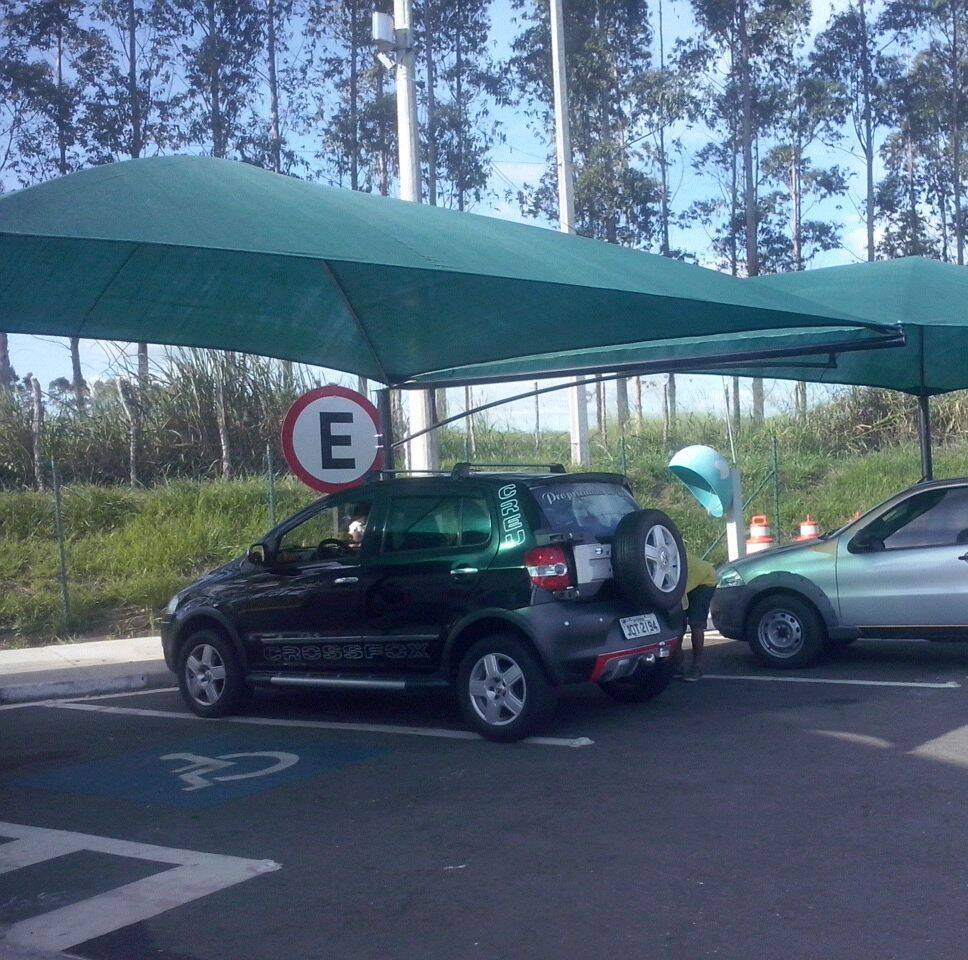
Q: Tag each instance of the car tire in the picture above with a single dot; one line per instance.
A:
(502, 690)
(785, 632)
(649, 560)
(210, 677)
(640, 689)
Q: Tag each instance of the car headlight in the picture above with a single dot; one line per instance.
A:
(730, 578)
(173, 604)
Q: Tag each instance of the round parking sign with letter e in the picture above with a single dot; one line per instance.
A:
(331, 438)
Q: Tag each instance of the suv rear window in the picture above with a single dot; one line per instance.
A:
(587, 509)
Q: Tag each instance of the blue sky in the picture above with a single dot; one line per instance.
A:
(517, 161)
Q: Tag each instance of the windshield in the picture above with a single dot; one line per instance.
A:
(584, 509)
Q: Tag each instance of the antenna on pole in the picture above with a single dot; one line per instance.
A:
(577, 398)
(393, 37)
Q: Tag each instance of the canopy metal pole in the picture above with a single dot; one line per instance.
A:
(924, 434)
(385, 407)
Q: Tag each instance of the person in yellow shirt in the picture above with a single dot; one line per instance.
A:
(700, 587)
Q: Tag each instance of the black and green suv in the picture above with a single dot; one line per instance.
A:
(501, 585)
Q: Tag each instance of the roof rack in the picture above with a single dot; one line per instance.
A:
(405, 473)
(464, 469)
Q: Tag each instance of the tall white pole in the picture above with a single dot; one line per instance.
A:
(424, 450)
(577, 400)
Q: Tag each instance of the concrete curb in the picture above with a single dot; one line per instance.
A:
(88, 686)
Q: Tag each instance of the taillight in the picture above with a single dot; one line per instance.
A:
(548, 568)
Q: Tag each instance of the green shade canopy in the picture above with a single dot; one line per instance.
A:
(203, 252)
(928, 299)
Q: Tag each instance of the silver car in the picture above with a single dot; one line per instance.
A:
(900, 571)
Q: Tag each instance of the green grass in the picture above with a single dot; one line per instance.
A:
(130, 550)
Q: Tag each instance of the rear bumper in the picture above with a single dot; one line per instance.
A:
(622, 663)
(585, 642)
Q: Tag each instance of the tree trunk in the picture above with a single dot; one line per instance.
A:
(440, 404)
(601, 412)
(354, 101)
(537, 419)
(737, 412)
(666, 429)
(459, 102)
(622, 401)
(914, 246)
(134, 95)
(749, 181)
(61, 101)
(143, 374)
(400, 425)
(749, 185)
(222, 419)
(670, 393)
(759, 406)
(800, 399)
(663, 160)
(429, 28)
(219, 144)
(956, 94)
(734, 179)
(37, 432)
(130, 406)
(77, 378)
(7, 374)
(868, 124)
(275, 138)
(638, 398)
(471, 438)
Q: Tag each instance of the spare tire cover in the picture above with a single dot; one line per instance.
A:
(649, 559)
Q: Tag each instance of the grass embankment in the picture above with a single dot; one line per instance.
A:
(130, 550)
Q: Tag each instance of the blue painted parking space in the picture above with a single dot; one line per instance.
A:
(200, 773)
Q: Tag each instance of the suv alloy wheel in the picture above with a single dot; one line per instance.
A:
(502, 690)
(209, 675)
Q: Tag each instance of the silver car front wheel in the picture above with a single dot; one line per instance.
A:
(780, 633)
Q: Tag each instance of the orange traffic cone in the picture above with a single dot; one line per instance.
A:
(809, 529)
(761, 536)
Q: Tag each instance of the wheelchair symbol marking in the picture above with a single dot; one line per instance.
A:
(201, 772)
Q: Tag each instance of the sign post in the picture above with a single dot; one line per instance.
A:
(331, 439)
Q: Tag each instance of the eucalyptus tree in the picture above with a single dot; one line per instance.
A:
(854, 52)
(944, 25)
(461, 84)
(609, 62)
(740, 42)
(902, 193)
(56, 41)
(217, 44)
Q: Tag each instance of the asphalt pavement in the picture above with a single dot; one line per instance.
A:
(736, 817)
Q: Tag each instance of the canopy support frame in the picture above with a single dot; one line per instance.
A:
(632, 368)
(626, 370)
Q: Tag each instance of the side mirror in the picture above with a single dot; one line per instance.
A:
(866, 543)
(257, 554)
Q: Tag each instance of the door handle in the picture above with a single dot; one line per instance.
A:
(342, 580)
(463, 571)
(964, 557)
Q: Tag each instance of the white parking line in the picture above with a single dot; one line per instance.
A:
(314, 724)
(193, 875)
(949, 685)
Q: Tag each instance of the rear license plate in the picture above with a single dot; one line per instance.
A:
(644, 625)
